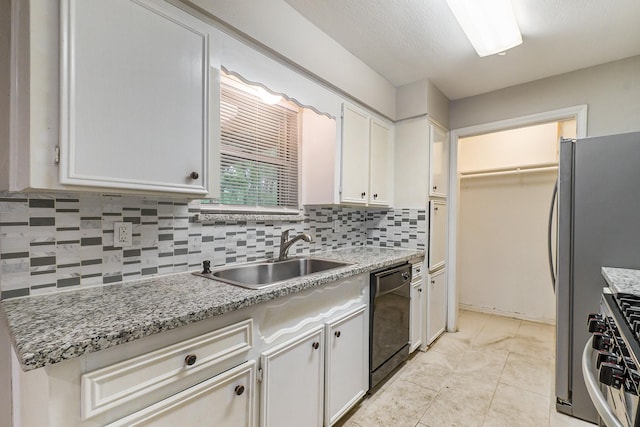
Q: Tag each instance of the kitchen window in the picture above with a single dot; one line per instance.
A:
(259, 150)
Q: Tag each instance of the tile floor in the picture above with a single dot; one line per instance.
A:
(495, 371)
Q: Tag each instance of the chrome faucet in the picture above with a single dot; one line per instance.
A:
(285, 243)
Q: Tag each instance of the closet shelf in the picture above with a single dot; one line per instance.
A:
(544, 167)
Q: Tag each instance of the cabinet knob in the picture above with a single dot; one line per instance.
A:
(194, 175)
(190, 359)
(435, 208)
(375, 196)
(433, 282)
(419, 289)
(363, 194)
(435, 187)
(315, 345)
(337, 334)
(239, 390)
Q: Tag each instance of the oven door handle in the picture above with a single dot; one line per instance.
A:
(598, 399)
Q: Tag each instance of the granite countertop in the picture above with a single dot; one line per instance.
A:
(622, 280)
(48, 329)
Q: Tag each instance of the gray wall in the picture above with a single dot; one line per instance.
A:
(611, 91)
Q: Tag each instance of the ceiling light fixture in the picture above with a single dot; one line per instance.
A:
(490, 25)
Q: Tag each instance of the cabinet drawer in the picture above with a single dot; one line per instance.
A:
(226, 400)
(163, 372)
(416, 272)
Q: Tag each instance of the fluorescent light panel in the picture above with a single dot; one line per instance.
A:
(490, 25)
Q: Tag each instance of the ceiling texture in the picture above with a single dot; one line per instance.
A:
(410, 40)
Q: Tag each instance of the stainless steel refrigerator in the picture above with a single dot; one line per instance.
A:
(598, 225)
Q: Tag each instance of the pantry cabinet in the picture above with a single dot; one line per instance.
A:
(113, 95)
(367, 165)
(437, 234)
(293, 381)
(437, 305)
(438, 161)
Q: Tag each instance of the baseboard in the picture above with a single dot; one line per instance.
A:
(505, 313)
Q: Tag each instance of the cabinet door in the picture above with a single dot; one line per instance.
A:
(380, 164)
(439, 161)
(230, 393)
(293, 382)
(346, 363)
(134, 96)
(415, 333)
(437, 234)
(411, 160)
(436, 305)
(355, 156)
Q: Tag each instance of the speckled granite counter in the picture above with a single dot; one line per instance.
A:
(48, 329)
(622, 280)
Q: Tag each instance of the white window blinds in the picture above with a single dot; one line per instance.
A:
(258, 150)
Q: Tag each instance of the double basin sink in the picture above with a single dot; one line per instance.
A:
(260, 275)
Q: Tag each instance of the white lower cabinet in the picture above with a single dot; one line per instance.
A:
(317, 376)
(226, 400)
(417, 316)
(292, 389)
(436, 305)
(346, 369)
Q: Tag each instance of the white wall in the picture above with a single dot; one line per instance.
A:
(529, 145)
(612, 92)
(502, 251)
(502, 247)
(280, 27)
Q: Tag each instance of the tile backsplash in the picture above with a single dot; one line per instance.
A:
(53, 241)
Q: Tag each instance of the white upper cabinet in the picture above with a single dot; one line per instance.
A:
(367, 165)
(355, 156)
(135, 96)
(380, 164)
(411, 164)
(112, 95)
(439, 161)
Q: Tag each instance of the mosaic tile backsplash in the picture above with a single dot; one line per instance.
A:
(54, 241)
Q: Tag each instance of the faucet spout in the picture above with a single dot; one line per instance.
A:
(285, 243)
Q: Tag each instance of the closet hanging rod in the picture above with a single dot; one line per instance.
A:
(512, 171)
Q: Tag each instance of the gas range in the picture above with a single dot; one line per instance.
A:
(616, 354)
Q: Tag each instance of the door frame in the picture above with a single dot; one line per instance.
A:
(577, 112)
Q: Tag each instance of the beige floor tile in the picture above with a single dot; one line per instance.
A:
(402, 404)
(513, 406)
(430, 369)
(479, 366)
(452, 343)
(459, 403)
(494, 371)
(557, 419)
(536, 375)
(535, 340)
(497, 335)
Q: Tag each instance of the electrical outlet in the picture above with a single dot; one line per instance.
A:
(122, 234)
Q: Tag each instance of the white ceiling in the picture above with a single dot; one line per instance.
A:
(410, 40)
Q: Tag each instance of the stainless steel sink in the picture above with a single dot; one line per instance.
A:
(260, 275)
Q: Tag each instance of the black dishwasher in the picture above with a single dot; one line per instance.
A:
(389, 322)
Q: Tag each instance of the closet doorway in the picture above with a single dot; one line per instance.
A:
(506, 182)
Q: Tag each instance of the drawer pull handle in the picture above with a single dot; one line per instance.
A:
(190, 359)
(337, 334)
(239, 390)
(194, 175)
(315, 345)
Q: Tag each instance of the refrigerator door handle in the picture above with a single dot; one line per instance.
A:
(549, 236)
